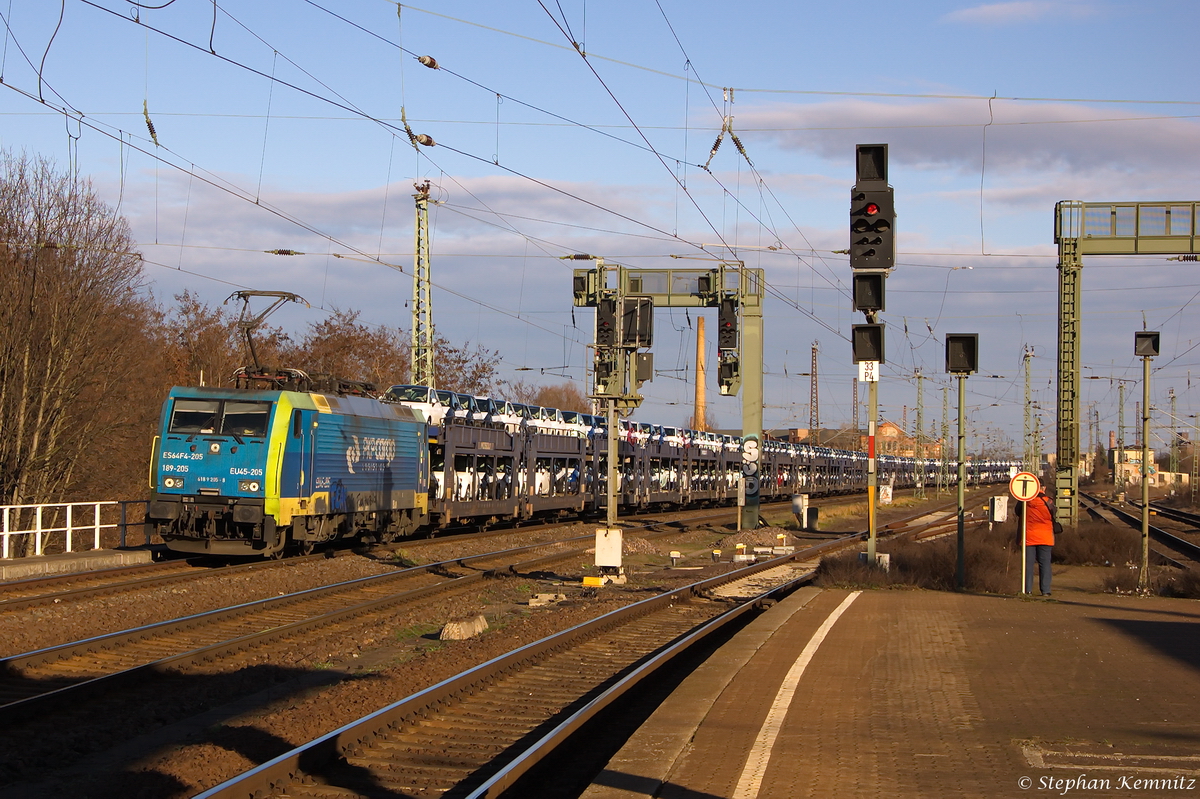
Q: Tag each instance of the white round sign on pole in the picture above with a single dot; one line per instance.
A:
(1024, 486)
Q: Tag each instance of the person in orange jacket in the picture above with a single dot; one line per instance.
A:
(1040, 528)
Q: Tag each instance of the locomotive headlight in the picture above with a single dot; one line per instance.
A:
(214, 448)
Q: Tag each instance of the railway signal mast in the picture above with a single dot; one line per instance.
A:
(1145, 346)
(624, 300)
(962, 359)
(872, 257)
(1101, 228)
(624, 324)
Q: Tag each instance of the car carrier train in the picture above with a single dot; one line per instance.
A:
(257, 472)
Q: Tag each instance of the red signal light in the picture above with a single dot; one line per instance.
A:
(872, 209)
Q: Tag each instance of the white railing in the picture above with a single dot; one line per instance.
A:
(72, 525)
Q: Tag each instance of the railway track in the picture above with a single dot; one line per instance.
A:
(52, 585)
(54, 590)
(77, 586)
(475, 734)
(85, 585)
(1174, 514)
(40, 681)
(234, 676)
(1179, 545)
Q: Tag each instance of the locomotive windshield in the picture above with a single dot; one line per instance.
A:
(195, 416)
(217, 417)
(245, 418)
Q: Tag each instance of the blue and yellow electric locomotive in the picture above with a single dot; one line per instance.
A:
(248, 472)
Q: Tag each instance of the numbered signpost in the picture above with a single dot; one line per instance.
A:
(1024, 486)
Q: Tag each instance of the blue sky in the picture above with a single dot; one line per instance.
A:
(992, 113)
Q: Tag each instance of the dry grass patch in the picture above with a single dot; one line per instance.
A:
(993, 564)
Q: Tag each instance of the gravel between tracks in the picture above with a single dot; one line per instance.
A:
(210, 724)
(37, 628)
(214, 723)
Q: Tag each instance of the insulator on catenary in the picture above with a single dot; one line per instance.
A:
(716, 146)
(425, 139)
(738, 143)
(1185, 258)
(283, 252)
(149, 124)
(429, 61)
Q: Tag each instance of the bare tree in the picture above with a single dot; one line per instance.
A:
(467, 369)
(343, 346)
(564, 396)
(521, 391)
(73, 323)
(201, 343)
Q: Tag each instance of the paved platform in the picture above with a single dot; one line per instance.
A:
(35, 566)
(930, 694)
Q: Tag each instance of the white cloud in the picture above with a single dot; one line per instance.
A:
(1019, 11)
(1028, 144)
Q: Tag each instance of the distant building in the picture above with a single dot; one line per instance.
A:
(1129, 469)
(890, 439)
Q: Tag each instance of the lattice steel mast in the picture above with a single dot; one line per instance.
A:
(1030, 465)
(814, 410)
(1195, 468)
(422, 304)
(1174, 438)
(920, 453)
(944, 466)
(854, 412)
(1119, 460)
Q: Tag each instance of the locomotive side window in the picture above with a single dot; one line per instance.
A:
(195, 416)
(295, 424)
(245, 418)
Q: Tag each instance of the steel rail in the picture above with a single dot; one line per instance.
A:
(1169, 540)
(51, 580)
(143, 581)
(643, 671)
(291, 767)
(11, 667)
(1174, 514)
(138, 583)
